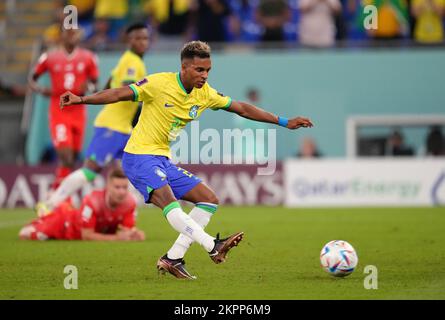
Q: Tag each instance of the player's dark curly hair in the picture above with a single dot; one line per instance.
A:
(135, 26)
(195, 49)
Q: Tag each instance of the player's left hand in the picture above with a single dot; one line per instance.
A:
(138, 235)
(299, 122)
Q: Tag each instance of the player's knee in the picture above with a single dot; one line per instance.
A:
(66, 157)
(92, 165)
(211, 198)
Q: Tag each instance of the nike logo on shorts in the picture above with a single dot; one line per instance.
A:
(169, 105)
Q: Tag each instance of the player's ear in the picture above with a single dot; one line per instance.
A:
(183, 64)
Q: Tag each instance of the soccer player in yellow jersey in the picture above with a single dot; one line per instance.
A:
(113, 124)
(171, 100)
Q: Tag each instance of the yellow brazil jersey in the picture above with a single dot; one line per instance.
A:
(429, 27)
(167, 109)
(119, 116)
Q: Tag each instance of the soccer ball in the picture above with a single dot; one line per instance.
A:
(338, 258)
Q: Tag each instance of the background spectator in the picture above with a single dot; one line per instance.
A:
(317, 23)
(243, 26)
(99, 39)
(308, 149)
(396, 145)
(272, 15)
(428, 27)
(435, 142)
(114, 13)
(393, 19)
(210, 19)
(171, 21)
(51, 35)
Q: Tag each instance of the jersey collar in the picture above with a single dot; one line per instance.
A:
(180, 83)
(134, 54)
(71, 55)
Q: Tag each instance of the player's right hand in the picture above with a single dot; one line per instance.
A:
(68, 99)
(299, 122)
(138, 235)
(47, 92)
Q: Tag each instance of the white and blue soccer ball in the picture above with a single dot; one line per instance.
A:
(338, 258)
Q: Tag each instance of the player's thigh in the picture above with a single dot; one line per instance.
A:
(182, 181)
(147, 174)
(106, 146)
(201, 193)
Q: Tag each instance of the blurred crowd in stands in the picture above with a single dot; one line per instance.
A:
(309, 23)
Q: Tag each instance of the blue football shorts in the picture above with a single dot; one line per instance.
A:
(150, 172)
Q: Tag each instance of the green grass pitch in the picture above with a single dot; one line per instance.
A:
(278, 258)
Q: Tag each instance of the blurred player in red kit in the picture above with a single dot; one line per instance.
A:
(105, 215)
(70, 68)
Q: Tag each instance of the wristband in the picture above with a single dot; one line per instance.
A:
(283, 121)
(81, 100)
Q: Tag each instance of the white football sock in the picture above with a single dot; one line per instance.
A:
(182, 223)
(201, 214)
(70, 185)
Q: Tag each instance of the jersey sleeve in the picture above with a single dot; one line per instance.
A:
(93, 70)
(125, 73)
(217, 100)
(129, 219)
(143, 90)
(87, 213)
(42, 65)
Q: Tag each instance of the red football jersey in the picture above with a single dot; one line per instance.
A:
(95, 213)
(68, 72)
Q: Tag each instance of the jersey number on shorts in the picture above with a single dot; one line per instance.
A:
(61, 132)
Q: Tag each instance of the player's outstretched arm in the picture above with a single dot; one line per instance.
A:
(101, 97)
(121, 235)
(252, 112)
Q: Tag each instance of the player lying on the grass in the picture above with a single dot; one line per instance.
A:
(70, 68)
(113, 124)
(171, 100)
(105, 215)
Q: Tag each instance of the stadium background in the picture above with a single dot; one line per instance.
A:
(397, 80)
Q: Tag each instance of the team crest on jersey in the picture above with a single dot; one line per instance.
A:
(131, 71)
(161, 174)
(193, 113)
(141, 82)
(80, 67)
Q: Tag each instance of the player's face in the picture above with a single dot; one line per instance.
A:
(196, 71)
(139, 41)
(71, 37)
(117, 189)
